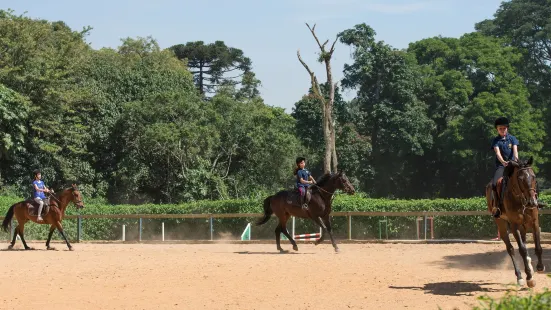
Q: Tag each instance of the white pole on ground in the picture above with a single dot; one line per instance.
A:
(123, 232)
(163, 230)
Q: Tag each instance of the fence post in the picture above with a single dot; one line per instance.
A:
(79, 228)
(163, 231)
(123, 232)
(211, 229)
(425, 227)
(293, 228)
(349, 227)
(140, 230)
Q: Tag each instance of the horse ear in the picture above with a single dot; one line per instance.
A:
(514, 164)
(530, 161)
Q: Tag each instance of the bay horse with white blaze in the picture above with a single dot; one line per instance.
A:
(286, 203)
(520, 212)
(57, 205)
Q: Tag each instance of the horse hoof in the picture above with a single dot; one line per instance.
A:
(10, 247)
(50, 248)
(71, 249)
(531, 283)
(29, 248)
(337, 250)
(295, 248)
(541, 269)
(521, 282)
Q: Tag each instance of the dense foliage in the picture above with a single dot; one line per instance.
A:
(133, 124)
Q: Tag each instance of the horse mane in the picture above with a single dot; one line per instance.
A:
(520, 164)
(323, 179)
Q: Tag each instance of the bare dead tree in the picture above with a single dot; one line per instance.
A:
(330, 158)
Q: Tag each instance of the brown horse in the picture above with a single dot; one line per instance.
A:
(285, 204)
(520, 212)
(57, 206)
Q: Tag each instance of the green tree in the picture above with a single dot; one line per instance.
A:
(391, 114)
(467, 83)
(210, 64)
(526, 24)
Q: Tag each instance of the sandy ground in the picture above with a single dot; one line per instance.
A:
(255, 276)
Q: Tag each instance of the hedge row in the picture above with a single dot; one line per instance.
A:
(362, 227)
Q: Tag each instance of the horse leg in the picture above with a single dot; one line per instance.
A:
(537, 242)
(52, 229)
(524, 253)
(15, 233)
(504, 234)
(322, 224)
(60, 228)
(322, 236)
(286, 232)
(21, 228)
(278, 238)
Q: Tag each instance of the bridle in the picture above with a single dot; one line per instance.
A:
(58, 201)
(346, 189)
(517, 191)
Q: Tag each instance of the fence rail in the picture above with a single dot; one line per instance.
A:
(422, 216)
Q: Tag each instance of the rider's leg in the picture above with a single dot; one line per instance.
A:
(40, 206)
(498, 198)
(303, 203)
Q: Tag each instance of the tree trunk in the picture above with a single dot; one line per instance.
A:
(334, 161)
(327, 139)
(330, 158)
(201, 90)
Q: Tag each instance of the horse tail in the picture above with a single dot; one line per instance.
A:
(7, 218)
(267, 212)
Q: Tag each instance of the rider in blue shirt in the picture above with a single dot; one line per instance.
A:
(506, 148)
(304, 179)
(38, 193)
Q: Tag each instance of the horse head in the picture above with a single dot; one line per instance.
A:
(76, 196)
(522, 180)
(344, 184)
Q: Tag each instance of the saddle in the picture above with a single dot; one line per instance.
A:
(32, 206)
(293, 197)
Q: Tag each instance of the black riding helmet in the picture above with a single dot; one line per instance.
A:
(36, 171)
(501, 121)
(299, 159)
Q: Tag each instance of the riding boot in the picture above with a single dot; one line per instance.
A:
(303, 202)
(502, 196)
(497, 203)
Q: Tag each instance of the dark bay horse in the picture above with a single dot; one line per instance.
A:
(520, 212)
(284, 205)
(57, 206)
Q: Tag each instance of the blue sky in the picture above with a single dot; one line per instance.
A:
(269, 32)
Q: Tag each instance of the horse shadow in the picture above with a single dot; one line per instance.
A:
(455, 288)
(493, 260)
(271, 253)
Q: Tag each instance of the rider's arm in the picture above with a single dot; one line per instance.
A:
(302, 179)
(515, 152)
(39, 189)
(499, 157)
